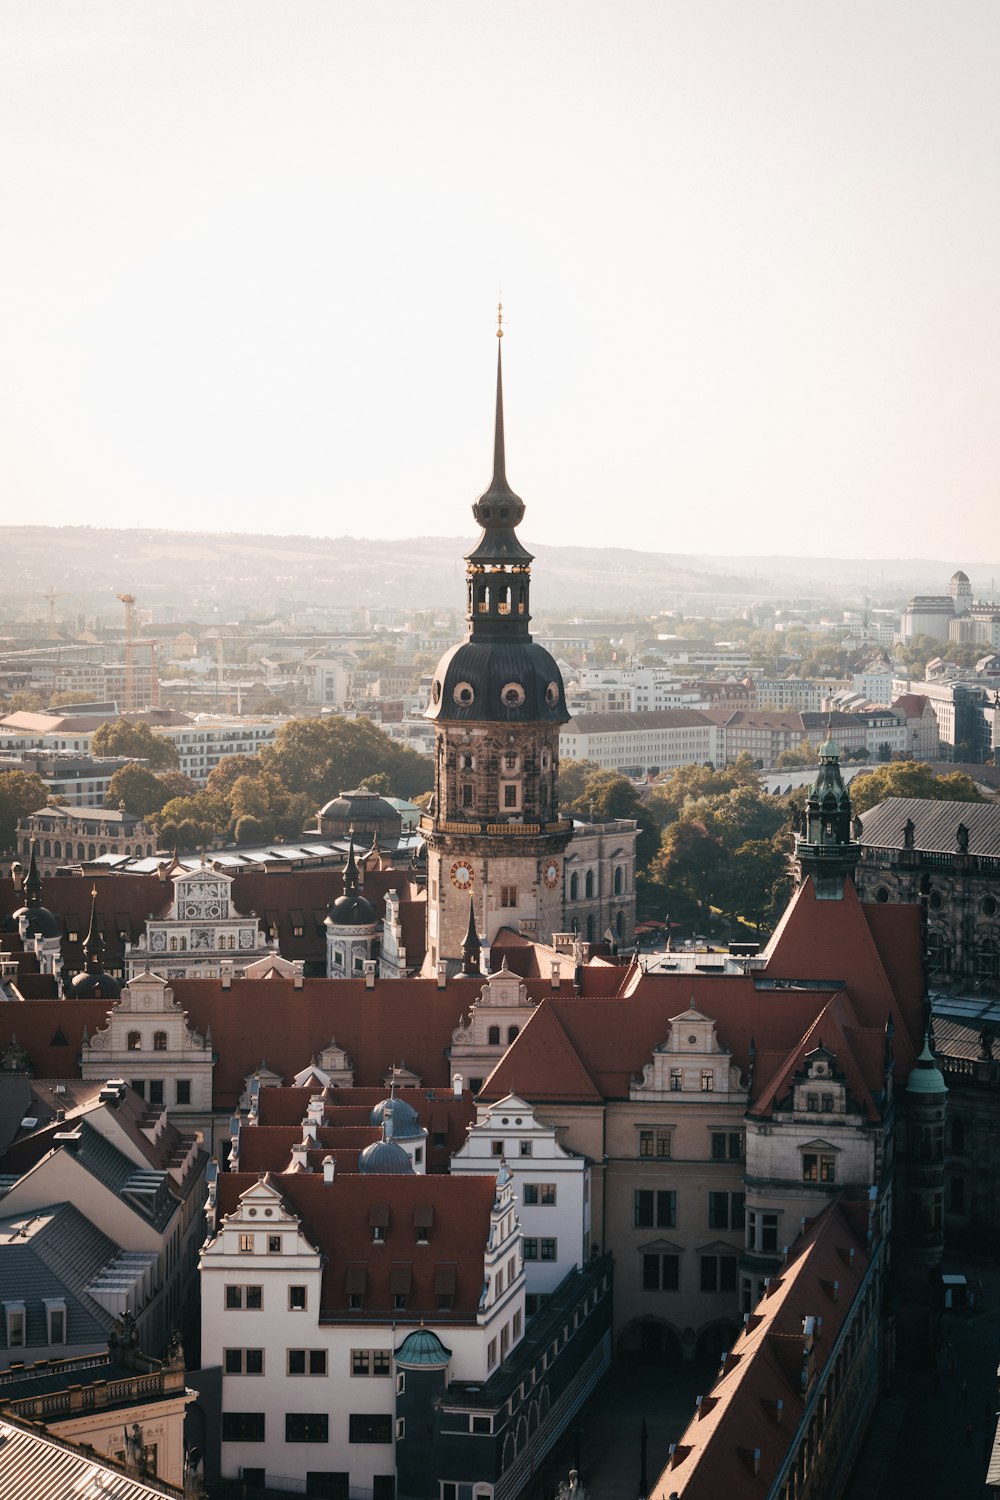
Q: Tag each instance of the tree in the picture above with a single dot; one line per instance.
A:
(572, 779)
(321, 757)
(175, 783)
(228, 770)
(379, 782)
(803, 755)
(250, 831)
(910, 778)
(136, 742)
(606, 794)
(21, 793)
(138, 789)
(687, 869)
(755, 887)
(23, 702)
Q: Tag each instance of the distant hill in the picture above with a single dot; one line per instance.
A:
(227, 573)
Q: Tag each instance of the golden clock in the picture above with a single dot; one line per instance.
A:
(462, 875)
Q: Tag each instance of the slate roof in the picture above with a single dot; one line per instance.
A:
(935, 825)
(336, 1218)
(715, 1452)
(349, 1109)
(54, 1252)
(625, 723)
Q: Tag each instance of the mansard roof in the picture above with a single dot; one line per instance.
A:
(935, 825)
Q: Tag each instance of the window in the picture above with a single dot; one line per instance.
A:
(548, 1249)
(727, 1145)
(242, 1426)
(543, 1193)
(244, 1361)
(325, 1484)
(493, 1036)
(246, 1244)
(491, 1354)
(307, 1361)
(525, 1148)
(15, 1324)
(183, 1090)
(818, 1167)
(708, 1080)
(134, 1041)
(159, 1041)
(762, 1231)
(718, 1273)
(307, 1427)
(508, 895)
(660, 1273)
(655, 1209)
(274, 1244)
(496, 1148)
(297, 1299)
(529, 1249)
(249, 1297)
(369, 1427)
(510, 797)
(512, 1032)
(725, 1210)
(56, 1316)
(654, 1143)
(371, 1362)
(676, 1080)
(156, 1091)
(467, 795)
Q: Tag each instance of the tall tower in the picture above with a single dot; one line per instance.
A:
(497, 702)
(827, 849)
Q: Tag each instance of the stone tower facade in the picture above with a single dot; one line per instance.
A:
(494, 835)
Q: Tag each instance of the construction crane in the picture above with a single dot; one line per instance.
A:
(51, 595)
(129, 704)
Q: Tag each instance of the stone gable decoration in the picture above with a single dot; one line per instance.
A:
(201, 932)
(691, 1061)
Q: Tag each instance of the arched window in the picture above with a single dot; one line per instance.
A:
(173, 945)
(103, 849)
(57, 848)
(590, 929)
(80, 854)
(588, 884)
(134, 1041)
(574, 886)
(512, 1033)
(493, 1036)
(46, 848)
(619, 924)
(159, 1041)
(619, 881)
(91, 851)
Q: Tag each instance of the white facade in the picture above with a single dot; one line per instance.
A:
(633, 743)
(202, 744)
(551, 1185)
(202, 931)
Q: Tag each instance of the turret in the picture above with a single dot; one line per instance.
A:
(827, 850)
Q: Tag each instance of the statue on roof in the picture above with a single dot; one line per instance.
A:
(962, 839)
(909, 834)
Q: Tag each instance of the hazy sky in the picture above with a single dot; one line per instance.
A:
(250, 253)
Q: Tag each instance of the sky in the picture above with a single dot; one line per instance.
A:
(748, 252)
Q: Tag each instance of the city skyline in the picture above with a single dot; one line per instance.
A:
(746, 254)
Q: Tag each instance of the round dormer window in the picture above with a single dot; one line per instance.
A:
(552, 694)
(464, 694)
(692, 1041)
(512, 695)
(485, 513)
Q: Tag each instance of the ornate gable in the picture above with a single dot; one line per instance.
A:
(691, 1061)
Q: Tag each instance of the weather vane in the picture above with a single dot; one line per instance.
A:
(499, 320)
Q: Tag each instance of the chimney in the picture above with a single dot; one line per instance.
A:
(300, 1157)
(69, 1138)
(227, 973)
(442, 974)
(555, 973)
(457, 1085)
(329, 1167)
(370, 967)
(299, 966)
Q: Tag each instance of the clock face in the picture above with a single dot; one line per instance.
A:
(551, 873)
(462, 875)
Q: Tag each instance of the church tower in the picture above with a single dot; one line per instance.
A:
(494, 833)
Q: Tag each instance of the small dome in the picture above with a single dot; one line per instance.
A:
(959, 577)
(98, 986)
(41, 922)
(352, 911)
(365, 808)
(926, 1077)
(512, 681)
(423, 1348)
(406, 1124)
(829, 750)
(385, 1157)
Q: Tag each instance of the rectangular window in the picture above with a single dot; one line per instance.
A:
(297, 1299)
(496, 1148)
(508, 895)
(727, 1145)
(57, 1325)
(543, 1193)
(371, 1362)
(548, 1249)
(156, 1091)
(274, 1244)
(307, 1427)
(654, 1143)
(369, 1427)
(307, 1361)
(243, 1427)
(183, 1090)
(510, 795)
(718, 1273)
(249, 1297)
(660, 1273)
(244, 1361)
(655, 1209)
(708, 1080)
(326, 1484)
(529, 1249)
(246, 1244)
(676, 1080)
(491, 1354)
(525, 1148)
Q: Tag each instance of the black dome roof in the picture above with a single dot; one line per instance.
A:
(41, 922)
(88, 986)
(352, 911)
(501, 681)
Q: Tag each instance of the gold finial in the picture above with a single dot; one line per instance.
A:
(499, 320)
(93, 892)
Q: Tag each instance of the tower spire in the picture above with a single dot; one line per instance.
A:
(93, 948)
(351, 872)
(499, 455)
(470, 948)
(33, 881)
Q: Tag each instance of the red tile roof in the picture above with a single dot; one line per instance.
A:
(336, 1219)
(715, 1454)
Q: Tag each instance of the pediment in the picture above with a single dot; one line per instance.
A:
(661, 1247)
